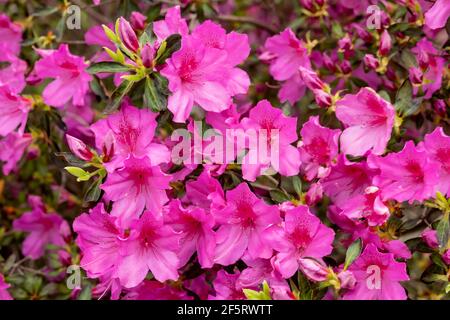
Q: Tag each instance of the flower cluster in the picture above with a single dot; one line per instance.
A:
(184, 152)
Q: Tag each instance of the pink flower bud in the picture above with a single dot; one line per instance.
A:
(311, 79)
(128, 35)
(137, 20)
(385, 43)
(346, 67)
(370, 61)
(347, 279)
(430, 238)
(415, 75)
(323, 99)
(314, 194)
(313, 269)
(439, 106)
(79, 148)
(446, 257)
(328, 63)
(147, 55)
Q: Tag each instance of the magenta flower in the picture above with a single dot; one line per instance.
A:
(205, 192)
(244, 223)
(318, 148)
(69, 71)
(367, 206)
(346, 180)
(196, 229)
(11, 35)
(287, 54)
(136, 186)
(280, 130)
(151, 246)
(436, 17)
(13, 75)
(196, 75)
(236, 47)
(13, 111)
(369, 120)
(303, 236)
(131, 131)
(172, 24)
(437, 145)
(4, 294)
(100, 240)
(378, 276)
(44, 228)
(227, 287)
(154, 290)
(12, 148)
(407, 175)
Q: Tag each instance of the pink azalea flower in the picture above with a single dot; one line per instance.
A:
(437, 145)
(281, 131)
(172, 24)
(227, 287)
(244, 223)
(11, 35)
(132, 131)
(437, 16)
(368, 206)
(292, 90)
(136, 186)
(318, 148)
(69, 71)
(151, 246)
(303, 236)
(4, 294)
(236, 47)
(100, 240)
(407, 175)
(196, 229)
(195, 74)
(377, 275)
(154, 290)
(369, 120)
(13, 111)
(205, 192)
(346, 180)
(44, 228)
(12, 148)
(287, 54)
(13, 75)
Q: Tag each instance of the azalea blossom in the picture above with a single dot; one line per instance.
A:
(12, 148)
(172, 24)
(196, 229)
(437, 16)
(151, 246)
(69, 71)
(244, 223)
(11, 35)
(369, 120)
(280, 132)
(318, 148)
(407, 175)
(43, 228)
(134, 187)
(437, 145)
(377, 276)
(302, 236)
(14, 111)
(4, 294)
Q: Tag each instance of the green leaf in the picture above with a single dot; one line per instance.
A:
(278, 196)
(154, 12)
(443, 231)
(264, 294)
(168, 47)
(404, 102)
(94, 192)
(45, 12)
(77, 172)
(297, 184)
(353, 252)
(154, 98)
(86, 293)
(109, 67)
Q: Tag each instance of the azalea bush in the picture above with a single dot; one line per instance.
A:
(219, 149)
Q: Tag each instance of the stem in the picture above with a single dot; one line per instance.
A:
(231, 18)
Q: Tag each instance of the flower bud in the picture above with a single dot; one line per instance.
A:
(312, 81)
(371, 62)
(128, 35)
(137, 20)
(385, 43)
(439, 107)
(347, 279)
(314, 194)
(313, 269)
(415, 75)
(79, 148)
(147, 55)
(323, 99)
